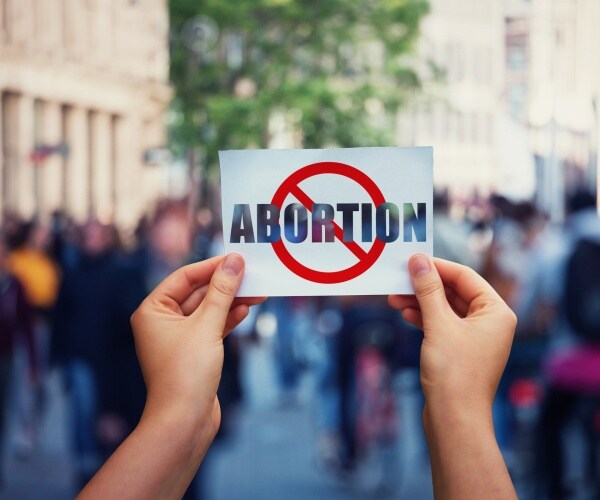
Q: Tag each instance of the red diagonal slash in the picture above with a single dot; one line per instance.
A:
(290, 186)
(354, 247)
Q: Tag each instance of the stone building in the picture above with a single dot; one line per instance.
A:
(459, 117)
(553, 48)
(84, 88)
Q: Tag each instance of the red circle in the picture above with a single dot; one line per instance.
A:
(328, 277)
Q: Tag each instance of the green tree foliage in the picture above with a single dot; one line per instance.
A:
(336, 71)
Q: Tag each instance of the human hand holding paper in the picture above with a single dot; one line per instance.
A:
(468, 332)
(179, 330)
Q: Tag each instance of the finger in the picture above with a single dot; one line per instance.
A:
(413, 316)
(468, 285)
(235, 317)
(224, 284)
(460, 307)
(178, 286)
(402, 301)
(429, 289)
(249, 301)
(252, 301)
(195, 299)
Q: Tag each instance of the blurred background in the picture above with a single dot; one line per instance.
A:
(111, 116)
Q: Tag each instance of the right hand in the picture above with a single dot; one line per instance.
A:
(468, 332)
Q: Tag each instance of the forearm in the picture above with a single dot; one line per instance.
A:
(465, 459)
(158, 459)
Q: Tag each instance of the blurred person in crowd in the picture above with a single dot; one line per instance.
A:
(503, 260)
(169, 242)
(512, 267)
(32, 264)
(327, 390)
(65, 239)
(12, 229)
(167, 245)
(92, 340)
(203, 234)
(367, 323)
(16, 323)
(452, 238)
(286, 362)
(573, 366)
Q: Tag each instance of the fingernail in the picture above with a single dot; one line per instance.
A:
(233, 264)
(418, 265)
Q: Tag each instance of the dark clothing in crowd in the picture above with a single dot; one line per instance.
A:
(15, 317)
(16, 321)
(92, 304)
(93, 340)
(365, 325)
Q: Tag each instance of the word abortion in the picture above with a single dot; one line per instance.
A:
(388, 222)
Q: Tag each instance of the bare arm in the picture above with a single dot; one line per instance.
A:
(468, 332)
(465, 459)
(179, 330)
(157, 460)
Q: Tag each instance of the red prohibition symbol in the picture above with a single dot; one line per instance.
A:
(365, 258)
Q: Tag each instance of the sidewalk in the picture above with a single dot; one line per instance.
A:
(47, 472)
(271, 452)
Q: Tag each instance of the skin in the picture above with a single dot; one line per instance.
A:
(179, 331)
(468, 332)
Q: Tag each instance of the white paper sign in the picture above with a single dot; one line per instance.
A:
(327, 221)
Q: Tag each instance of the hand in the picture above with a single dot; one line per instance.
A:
(468, 332)
(179, 330)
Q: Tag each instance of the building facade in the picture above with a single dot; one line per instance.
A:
(562, 108)
(465, 39)
(553, 90)
(83, 93)
(519, 110)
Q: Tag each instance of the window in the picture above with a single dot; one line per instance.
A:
(64, 117)
(37, 121)
(6, 14)
(5, 147)
(114, 160)
(91, 161)
(475, 131)
(489, 128)
(516, 99)
(516, 58)
(460, 127)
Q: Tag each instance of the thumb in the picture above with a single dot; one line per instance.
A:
(428, 286)
(221, 292)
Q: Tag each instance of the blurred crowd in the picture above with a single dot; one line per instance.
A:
(67, 291)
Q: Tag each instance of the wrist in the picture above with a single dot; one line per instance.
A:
(465, 457)
(192, 432)
(441, 414)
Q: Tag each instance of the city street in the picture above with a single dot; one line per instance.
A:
(271, 452)
(344, 151)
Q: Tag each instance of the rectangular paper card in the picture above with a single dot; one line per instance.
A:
(327, 221)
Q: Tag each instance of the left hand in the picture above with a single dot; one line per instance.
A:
(179, 330)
